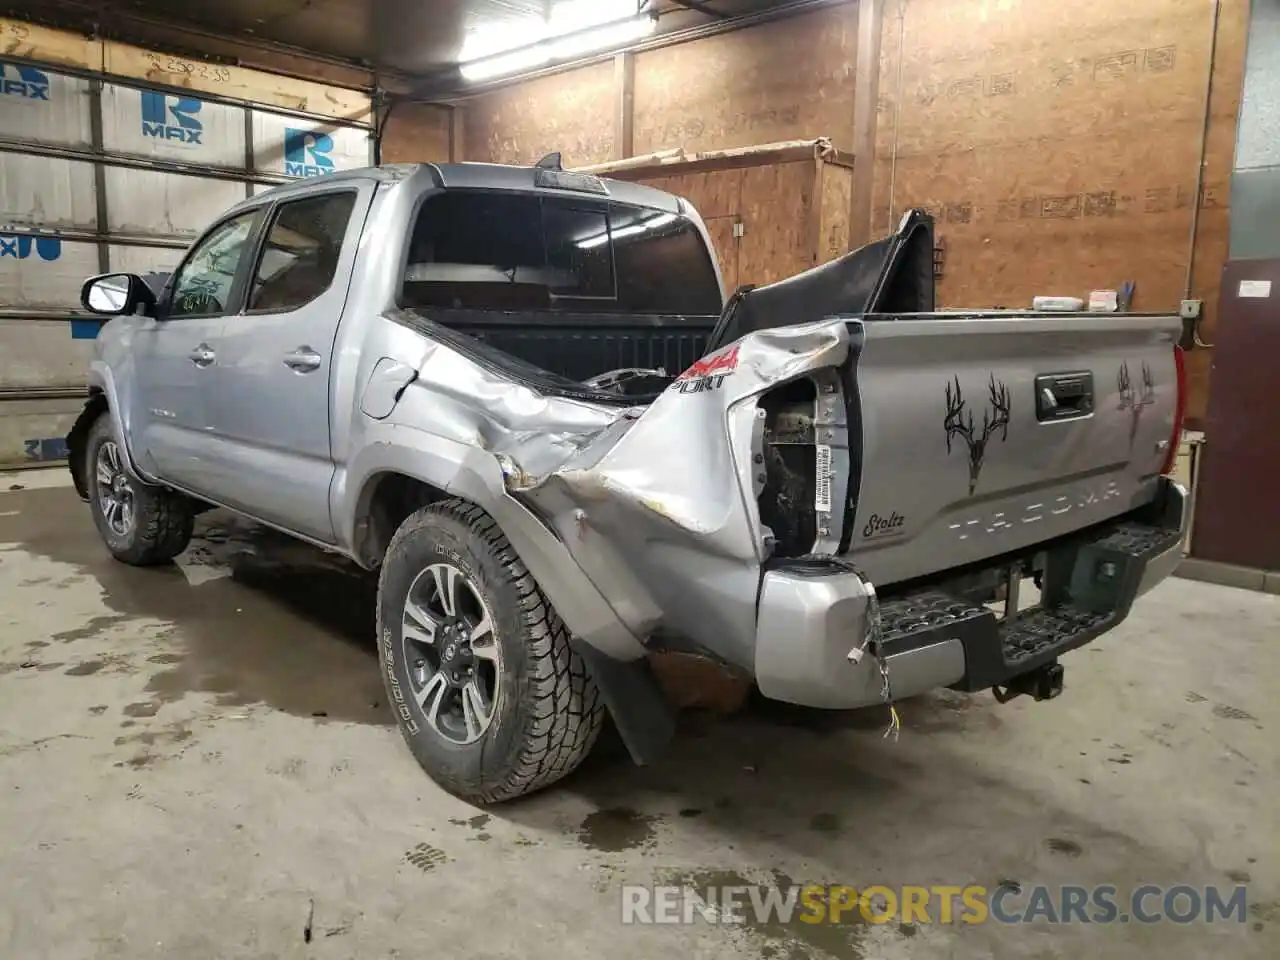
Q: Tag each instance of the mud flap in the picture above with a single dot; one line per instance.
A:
(645, 720)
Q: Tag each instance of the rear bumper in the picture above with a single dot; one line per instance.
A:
(814, 612)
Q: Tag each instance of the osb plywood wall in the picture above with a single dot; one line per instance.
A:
(416, 133)
(1058, 146)
(782, 81)
(570, 112)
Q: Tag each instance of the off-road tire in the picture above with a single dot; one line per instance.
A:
(548, 713)
(162, 521)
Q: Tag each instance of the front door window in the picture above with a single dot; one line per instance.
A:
(204, 283)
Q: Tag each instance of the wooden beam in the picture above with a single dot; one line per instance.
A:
(624, 126)
(29, 41)
(866, 97)
(457, 139)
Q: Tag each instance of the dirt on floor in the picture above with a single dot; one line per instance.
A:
(197, 761)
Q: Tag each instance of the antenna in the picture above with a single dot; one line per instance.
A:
(550, 162)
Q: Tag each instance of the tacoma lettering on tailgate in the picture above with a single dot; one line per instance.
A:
(1011, 517)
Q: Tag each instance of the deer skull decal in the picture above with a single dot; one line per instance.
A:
(1133, 400)
(959, 423)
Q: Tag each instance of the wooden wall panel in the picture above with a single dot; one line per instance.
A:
(570, 112)
(779, 218)
(725, 246)
(835, 186)
(713, 193)
(1058, 145)
(782, 81)
(416, 133)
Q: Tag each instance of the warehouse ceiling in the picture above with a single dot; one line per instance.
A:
(421, 38)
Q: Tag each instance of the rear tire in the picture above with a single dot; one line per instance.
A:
(141, 525)
(491, 698)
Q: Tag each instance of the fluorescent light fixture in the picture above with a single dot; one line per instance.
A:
(593, 40)
(494, 36)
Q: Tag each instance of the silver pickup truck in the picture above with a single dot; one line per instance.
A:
(521, 396)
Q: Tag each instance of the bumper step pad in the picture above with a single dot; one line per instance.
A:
(1089, 588)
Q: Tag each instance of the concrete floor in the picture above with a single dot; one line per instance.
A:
(196, 760)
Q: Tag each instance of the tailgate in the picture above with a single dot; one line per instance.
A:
(984, 434)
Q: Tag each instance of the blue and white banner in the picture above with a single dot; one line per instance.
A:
(301, 148)
(39, 106)
(172, 126)
(44, 273)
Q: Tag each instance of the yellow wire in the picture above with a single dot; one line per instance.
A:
(895, 723)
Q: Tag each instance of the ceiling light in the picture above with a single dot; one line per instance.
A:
(494, 36)
(582, 43)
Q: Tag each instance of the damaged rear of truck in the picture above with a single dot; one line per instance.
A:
(850, 498)
(853, 499)
(838, 492)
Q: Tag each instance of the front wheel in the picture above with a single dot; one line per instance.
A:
(490, 696)
(141, 525)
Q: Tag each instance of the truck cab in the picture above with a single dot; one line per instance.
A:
(238, 384)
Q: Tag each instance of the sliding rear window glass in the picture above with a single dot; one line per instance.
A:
(510, 251)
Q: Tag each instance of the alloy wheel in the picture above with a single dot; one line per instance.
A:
(115, 492)
(452, 653)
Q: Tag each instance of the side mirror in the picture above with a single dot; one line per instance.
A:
(116, 294)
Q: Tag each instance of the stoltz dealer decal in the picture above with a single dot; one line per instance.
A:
(708, 373)
(878, 526)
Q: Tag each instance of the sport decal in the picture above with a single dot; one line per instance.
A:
(709, 373)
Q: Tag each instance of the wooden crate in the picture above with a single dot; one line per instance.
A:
(772, 210)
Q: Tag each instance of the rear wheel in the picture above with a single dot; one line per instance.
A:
(141, 525)
(488, 693)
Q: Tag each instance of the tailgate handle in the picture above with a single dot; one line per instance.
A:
(1064, 396)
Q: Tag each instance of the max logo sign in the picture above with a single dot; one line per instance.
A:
(20, 247)
(171, 118)
(306, 153)
(709, 372)
(23, 83)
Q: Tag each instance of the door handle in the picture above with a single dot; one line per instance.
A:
(202, 355)
(302, 360)
(1064, 396)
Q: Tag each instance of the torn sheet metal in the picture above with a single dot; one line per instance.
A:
(663, 514)
(530, 431)
(656, 504)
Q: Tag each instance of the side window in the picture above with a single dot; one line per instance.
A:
(300, 253)
(203, 285)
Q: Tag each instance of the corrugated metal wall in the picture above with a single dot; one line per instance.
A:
(102, 172)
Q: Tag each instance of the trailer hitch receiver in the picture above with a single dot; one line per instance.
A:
(1042, 683)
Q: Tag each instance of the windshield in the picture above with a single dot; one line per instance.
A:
(515, 251)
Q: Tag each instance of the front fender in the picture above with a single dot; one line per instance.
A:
(475, 475)
(94, 407)
(103, 398)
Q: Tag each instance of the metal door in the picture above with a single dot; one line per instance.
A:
(176, 356)
(270, 453)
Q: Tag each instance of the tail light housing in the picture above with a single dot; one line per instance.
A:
(1179, 409)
